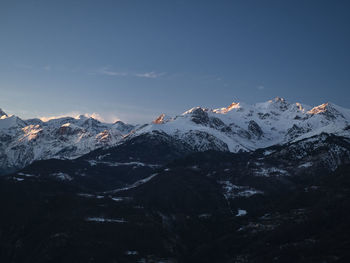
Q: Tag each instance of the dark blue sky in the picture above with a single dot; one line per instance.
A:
(136, 59)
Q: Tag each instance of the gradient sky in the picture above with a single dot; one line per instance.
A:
(133, 60)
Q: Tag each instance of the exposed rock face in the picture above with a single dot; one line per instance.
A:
(199, 116)
(296, 131)
(255, 129)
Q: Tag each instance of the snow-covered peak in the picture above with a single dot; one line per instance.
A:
(91, 123)
(330, 111)
(58, 121)
(8, 123)
(194, 110)
(319, 109)
(122, 127)
(279, 100)
(233, 105)
(162, 119)
(35, 121)
(279, 104)
(81, 117)
(300, 106)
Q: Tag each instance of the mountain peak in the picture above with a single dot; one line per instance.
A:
(279, 103)
(122, 127)
(233, 105)
(2, 113)
(195, 110)
(328, 109)
(319, 109)
(161, 119)
(119, 122)
(299, 106)
(279, 99)
(82, 117)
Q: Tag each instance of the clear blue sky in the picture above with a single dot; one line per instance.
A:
(136, 59)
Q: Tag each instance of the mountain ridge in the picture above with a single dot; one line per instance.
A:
(237, 127)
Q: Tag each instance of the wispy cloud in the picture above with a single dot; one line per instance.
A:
(107, 71)
(261, 87)
(150, 75)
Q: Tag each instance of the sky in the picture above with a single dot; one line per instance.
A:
(133, 60)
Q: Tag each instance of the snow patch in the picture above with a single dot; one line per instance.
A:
(272, 171)
(241, 212)
(62, 176)
(305, 165)
(134, 185)
(26, 175)
(232, 191)
(131, 253)
(17, 179)
(115, 164)
(105, 220)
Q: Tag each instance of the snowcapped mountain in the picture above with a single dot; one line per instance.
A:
(281, 168)
(23, 141)
(238, 127)
(242, 127)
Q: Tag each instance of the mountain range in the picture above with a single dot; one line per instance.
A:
(238, 127)
(243, 184)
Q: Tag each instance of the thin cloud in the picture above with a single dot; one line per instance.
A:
(150, 75)
(106, 71)
(261, 87)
